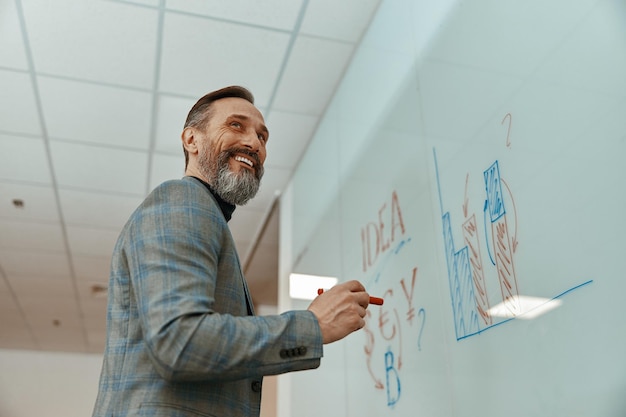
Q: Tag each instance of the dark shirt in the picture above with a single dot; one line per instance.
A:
(227, 208)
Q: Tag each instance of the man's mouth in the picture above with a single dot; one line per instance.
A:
(244, 160)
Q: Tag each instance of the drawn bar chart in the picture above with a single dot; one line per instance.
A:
(467, 272)
(472, 242)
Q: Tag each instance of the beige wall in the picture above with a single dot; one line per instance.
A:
(48, 384)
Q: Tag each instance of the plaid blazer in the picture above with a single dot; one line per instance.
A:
(182, 338)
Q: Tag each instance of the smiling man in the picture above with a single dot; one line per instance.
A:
(227, 144)
(182, 336)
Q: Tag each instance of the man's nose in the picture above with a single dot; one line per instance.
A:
(251, 141)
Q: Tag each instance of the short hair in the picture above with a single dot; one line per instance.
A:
(200, 113)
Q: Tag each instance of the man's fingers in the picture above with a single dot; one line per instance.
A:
(354, 286)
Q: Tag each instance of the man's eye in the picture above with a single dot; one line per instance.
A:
(236, 124)
(262, 137)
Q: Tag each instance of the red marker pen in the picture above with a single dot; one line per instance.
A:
(373, 300)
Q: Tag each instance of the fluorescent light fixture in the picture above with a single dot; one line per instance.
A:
(530, 307)
(304, 287)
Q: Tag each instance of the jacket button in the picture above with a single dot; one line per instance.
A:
(256, 386)
(302, 350)
(284, 353)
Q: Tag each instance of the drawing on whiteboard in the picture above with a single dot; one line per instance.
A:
(377, 243)
(388, 326)
(394, 387)
(467, 271)
(421, 313)
(389, 329)
(501, 239)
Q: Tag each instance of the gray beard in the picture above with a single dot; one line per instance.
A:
(234, 188)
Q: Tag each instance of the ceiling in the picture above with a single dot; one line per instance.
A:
(94, 96)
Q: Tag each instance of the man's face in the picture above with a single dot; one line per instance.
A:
(232, 150)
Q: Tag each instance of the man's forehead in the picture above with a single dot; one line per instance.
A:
(232, 106)
(237, 105)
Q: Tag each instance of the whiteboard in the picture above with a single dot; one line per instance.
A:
(471, 171)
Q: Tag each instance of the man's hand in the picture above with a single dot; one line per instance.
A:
(340, 310)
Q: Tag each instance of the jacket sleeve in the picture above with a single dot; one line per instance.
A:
(175, 252)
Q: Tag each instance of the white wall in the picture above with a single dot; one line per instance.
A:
(48, 384)
(55, 384)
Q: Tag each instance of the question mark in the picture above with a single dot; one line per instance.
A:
(421, 312)
(508, 132)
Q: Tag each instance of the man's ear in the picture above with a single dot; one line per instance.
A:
(189, 139)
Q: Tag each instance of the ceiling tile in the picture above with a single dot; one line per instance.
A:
(347, 22)
(311, 58)
(93, 303)
(96, 340)
(101, 40)
(95, 313)
(19, 116)
(58, 321)
(5, 290)
(41, 311)
(90, 241)
(166, 167)
(35, 168)
(31, 263)
(98, 168)
(16, 335)
(289, 136)
(96, 114)
(215, 54)
(268, 13)
(92, 268)
(39, 202)
(8, 302)
(10, 318)
(171, 116)
(61, 339)
(12, 54)
(95, 345)
(31, 236)
(81, 208)
(27, 286)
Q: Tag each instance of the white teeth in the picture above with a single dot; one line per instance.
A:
(244, 160)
